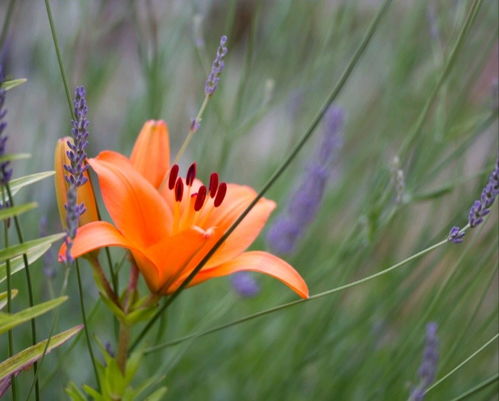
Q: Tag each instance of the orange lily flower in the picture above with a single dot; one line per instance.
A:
(169, 223)
(84, 193)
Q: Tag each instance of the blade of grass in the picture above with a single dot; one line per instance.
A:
(301, 301)
(332, 96)
(477, 388)
(474, 354)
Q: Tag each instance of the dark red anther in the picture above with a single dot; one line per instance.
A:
(200, 197)
(222, 190)
(179, 189)
(172, 179)
(191, 174)
(213, 184)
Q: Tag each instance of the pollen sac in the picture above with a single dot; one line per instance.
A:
(179, 189)
(172, 179)
(200, 198)
(191, 174)
(213, 184)
(222, 190)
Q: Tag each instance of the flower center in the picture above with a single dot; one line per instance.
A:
(212, 195)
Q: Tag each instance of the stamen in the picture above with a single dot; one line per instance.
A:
(222, 190)
(173, 176)
(213, 184)
(191, 174)
(179, 189)
(200, 197)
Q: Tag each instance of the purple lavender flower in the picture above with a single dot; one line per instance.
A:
(216, 68)
(480, 208)
(75, 178)
(305, 202)
(5, 171)
(245, 284)
(456, 235)
(428, 369)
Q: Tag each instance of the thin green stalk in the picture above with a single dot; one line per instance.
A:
(59, 58)
(85, 326)
(9, 308)
(446, 376)
(192, 129)
(300, 301)
(477, 388)
(333, 95)
(20, 237)
(6, 23)
(443, 76)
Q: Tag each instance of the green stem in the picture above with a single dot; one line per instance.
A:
(477, 388)
(445, 72)
(6, 23)
(59, 58)
(124, 339)
(9, 306)
(445, 377)
(101, 278)
(85, 326)
(20, 237)
(300, 301)
(315, 122)
(192, 129)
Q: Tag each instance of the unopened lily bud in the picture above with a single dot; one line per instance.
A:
(85, 194)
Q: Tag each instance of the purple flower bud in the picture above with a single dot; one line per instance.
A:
(428, 367)
(216, 68)
(306, 199)
(245, 284)
(77, 156)
(456, 235)
(5, 171)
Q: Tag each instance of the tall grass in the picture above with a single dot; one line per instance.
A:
(142, 60)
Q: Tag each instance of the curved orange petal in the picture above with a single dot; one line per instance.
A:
(151, 152)
(173, 254)
(237, 200)
(258, 261)
(100, 234)
(135, 206)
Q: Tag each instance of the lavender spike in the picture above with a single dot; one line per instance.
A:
(216, 68)
(428, 367)
(305, 201)
(75, 178)
(5, 170)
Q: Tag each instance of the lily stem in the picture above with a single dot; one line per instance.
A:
(124, 335)
(100, 277)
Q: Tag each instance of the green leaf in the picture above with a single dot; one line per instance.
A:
(20, 249)
(75, 393)
(17, 263)
(16, 210)
(12, 83)
(157, 395)
(27, 357)
(14, 156)
(9, 321)
(18, 183)
(3, 297)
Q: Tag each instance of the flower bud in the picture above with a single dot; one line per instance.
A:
(85, 193)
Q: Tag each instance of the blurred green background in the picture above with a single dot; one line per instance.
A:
(149, 59)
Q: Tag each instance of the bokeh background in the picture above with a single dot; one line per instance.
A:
(149, 59)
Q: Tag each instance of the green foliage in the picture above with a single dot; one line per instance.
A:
(9, 321)
(28, 356)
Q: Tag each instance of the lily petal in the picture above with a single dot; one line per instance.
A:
(151, 152)
(172, 255)
(258, 261)
(237, 200)
(135, 206)
(101, 234)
